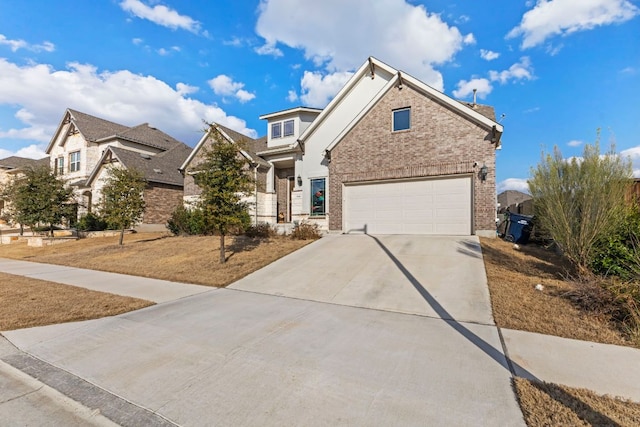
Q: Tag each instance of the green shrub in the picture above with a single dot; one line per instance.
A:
(185, 221)
(618, 253)
(263, 230)
(306, 231)
(91, 222)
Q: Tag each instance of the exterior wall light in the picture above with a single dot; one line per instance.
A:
(484, 170)
(299, 181)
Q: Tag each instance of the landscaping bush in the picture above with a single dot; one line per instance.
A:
(185, 221)
(306, 231)
(618, 253)
(263, 231)
(91, 222)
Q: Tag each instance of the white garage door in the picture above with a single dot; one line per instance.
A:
(434, 206)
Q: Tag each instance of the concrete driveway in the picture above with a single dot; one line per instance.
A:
(434, 276)
(247, 356)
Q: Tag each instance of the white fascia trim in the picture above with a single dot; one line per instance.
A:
(98, 166)
(289, 148)
(59, 128)
(364, 111)
(339, 96)
(290, 111)
(194, 151)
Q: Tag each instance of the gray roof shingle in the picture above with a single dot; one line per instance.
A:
(96, 129)
(15, 162)
(161, 168)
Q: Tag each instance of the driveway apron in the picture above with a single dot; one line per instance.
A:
(437, 276)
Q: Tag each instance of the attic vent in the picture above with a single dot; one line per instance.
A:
(157, 170)
(145, 156)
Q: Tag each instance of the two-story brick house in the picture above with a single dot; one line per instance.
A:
(388, 155)
(83, 145)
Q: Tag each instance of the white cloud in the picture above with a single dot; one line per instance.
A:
(518, 184)
(489, 55)
(633, 154)
(519, 71)
(469, 39)
(42, 93)
(269, 49)
(15, 45)
(225, 86)
(33, 151)
(465, 88)
(628, 70)
(575, 143)
(137, 41)
(318, 90)
(292, 96)
(161, 15)
(341, 42)
(562, 17)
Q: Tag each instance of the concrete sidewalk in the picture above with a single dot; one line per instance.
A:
(120, 284)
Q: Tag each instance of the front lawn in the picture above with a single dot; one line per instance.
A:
(191, 259)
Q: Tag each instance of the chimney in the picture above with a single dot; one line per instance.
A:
(474, 97)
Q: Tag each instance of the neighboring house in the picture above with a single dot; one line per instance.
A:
(516, 202)
(10, 168)
(83, 144)
(635, 190)
(388, 155)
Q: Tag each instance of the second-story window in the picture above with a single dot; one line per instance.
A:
(288, 127)
(74, 161)
(59, 166)
(401, 119)
(276, 130)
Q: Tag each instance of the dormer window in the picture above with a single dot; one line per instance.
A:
(288, 127)
(276, 130)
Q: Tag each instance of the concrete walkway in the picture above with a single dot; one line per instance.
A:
(120, 284)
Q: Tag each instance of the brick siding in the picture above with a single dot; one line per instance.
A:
(161, 200)
(440, 142)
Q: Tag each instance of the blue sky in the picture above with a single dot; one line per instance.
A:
(557, 69)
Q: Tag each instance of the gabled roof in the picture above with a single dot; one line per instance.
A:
(160, 168)
(232, 136)
(16, 162)
(369, 68)
(95, 129)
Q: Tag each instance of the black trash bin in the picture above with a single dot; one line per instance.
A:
(518, 228)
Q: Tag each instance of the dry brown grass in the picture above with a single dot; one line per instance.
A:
(162, 256)
(545, 404)
(512, 276)
(27, 302)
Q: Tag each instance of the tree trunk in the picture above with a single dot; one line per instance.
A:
(121, 235)
(223, 259)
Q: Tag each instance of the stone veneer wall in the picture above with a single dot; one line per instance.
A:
(440, 142)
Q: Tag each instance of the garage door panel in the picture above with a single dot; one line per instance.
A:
(436, 206)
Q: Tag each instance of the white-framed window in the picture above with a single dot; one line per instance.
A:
(401, 119)
(59, 166)
(74, 161)
(318, 197)
(288, 127)
(276, 130)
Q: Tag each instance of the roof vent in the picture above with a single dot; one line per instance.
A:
(145, 156)
(158, 171)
